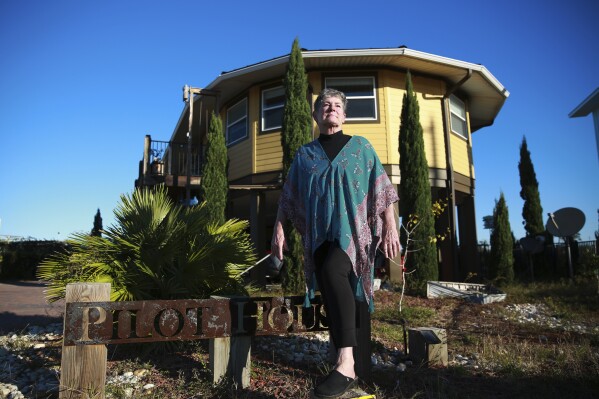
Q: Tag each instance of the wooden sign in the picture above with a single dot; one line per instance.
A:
(93, 323)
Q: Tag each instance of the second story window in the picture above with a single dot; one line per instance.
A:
(273, 101)
(360, 93)
(458, 116)
(237, 128)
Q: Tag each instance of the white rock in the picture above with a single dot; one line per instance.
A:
(140, 372)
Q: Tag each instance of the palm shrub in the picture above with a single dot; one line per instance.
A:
(155, 250)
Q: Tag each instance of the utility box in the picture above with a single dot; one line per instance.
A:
(428, 345)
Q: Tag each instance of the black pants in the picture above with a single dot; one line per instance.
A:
(333, 271)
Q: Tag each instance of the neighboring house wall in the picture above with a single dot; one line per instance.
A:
(589, 106)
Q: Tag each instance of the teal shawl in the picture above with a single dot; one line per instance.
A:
(340, 200)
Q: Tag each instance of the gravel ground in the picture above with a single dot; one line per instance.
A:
(29, 360)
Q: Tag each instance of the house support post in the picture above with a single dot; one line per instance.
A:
(468, 239)
(447, 247)
(188, 171)
(146, 163)
(450, 177)
(257, 232)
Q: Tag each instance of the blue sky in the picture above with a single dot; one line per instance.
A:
(82, 83)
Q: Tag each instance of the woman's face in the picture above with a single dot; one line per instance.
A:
(331, 113)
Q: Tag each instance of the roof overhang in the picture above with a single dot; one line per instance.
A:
(485, 93)
(590, 104)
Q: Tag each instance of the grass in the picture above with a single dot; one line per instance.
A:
(388, 322)
(570, 300)
(416, 315)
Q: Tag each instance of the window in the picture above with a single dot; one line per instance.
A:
(273, 101)
(361, 98)
(237, 122)
(458, 116)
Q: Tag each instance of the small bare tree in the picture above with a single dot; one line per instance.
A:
(413, 244)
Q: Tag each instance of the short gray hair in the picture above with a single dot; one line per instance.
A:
(325, 93)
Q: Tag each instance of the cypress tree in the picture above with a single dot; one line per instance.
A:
(296, 131)
(415, 193)
(97, 229)
(532, 212)
(501, 267)
(214, 185)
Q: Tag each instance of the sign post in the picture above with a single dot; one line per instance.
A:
(83, 367)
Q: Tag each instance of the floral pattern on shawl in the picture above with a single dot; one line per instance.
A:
(340, 200)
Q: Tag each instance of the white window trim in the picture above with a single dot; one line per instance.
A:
(230, 123)
(270, 108)
(453, 98)
(372, 78)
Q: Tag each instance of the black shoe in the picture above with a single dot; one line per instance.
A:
(335, 385)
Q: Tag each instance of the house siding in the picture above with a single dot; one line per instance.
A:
(269, 155)
(430, 100)
(241, 154)
(262, 152)
(460, 152)
(240, 160)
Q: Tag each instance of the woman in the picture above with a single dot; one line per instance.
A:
(340, 199)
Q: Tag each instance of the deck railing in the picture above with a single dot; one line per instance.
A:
(170, 158)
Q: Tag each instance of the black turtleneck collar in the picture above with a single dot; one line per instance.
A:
(333, 143)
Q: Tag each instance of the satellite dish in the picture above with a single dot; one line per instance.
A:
(533, 245)
(565, 222)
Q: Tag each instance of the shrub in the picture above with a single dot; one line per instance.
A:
(156, 250)
(20, 259)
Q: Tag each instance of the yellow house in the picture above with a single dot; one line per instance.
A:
(456, 99)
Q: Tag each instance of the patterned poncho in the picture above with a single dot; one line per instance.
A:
(340, 200)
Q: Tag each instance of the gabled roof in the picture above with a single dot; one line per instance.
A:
(486, 94)
(590, 104)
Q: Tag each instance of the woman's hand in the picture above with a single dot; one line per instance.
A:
(278, 244)
(390, 240)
